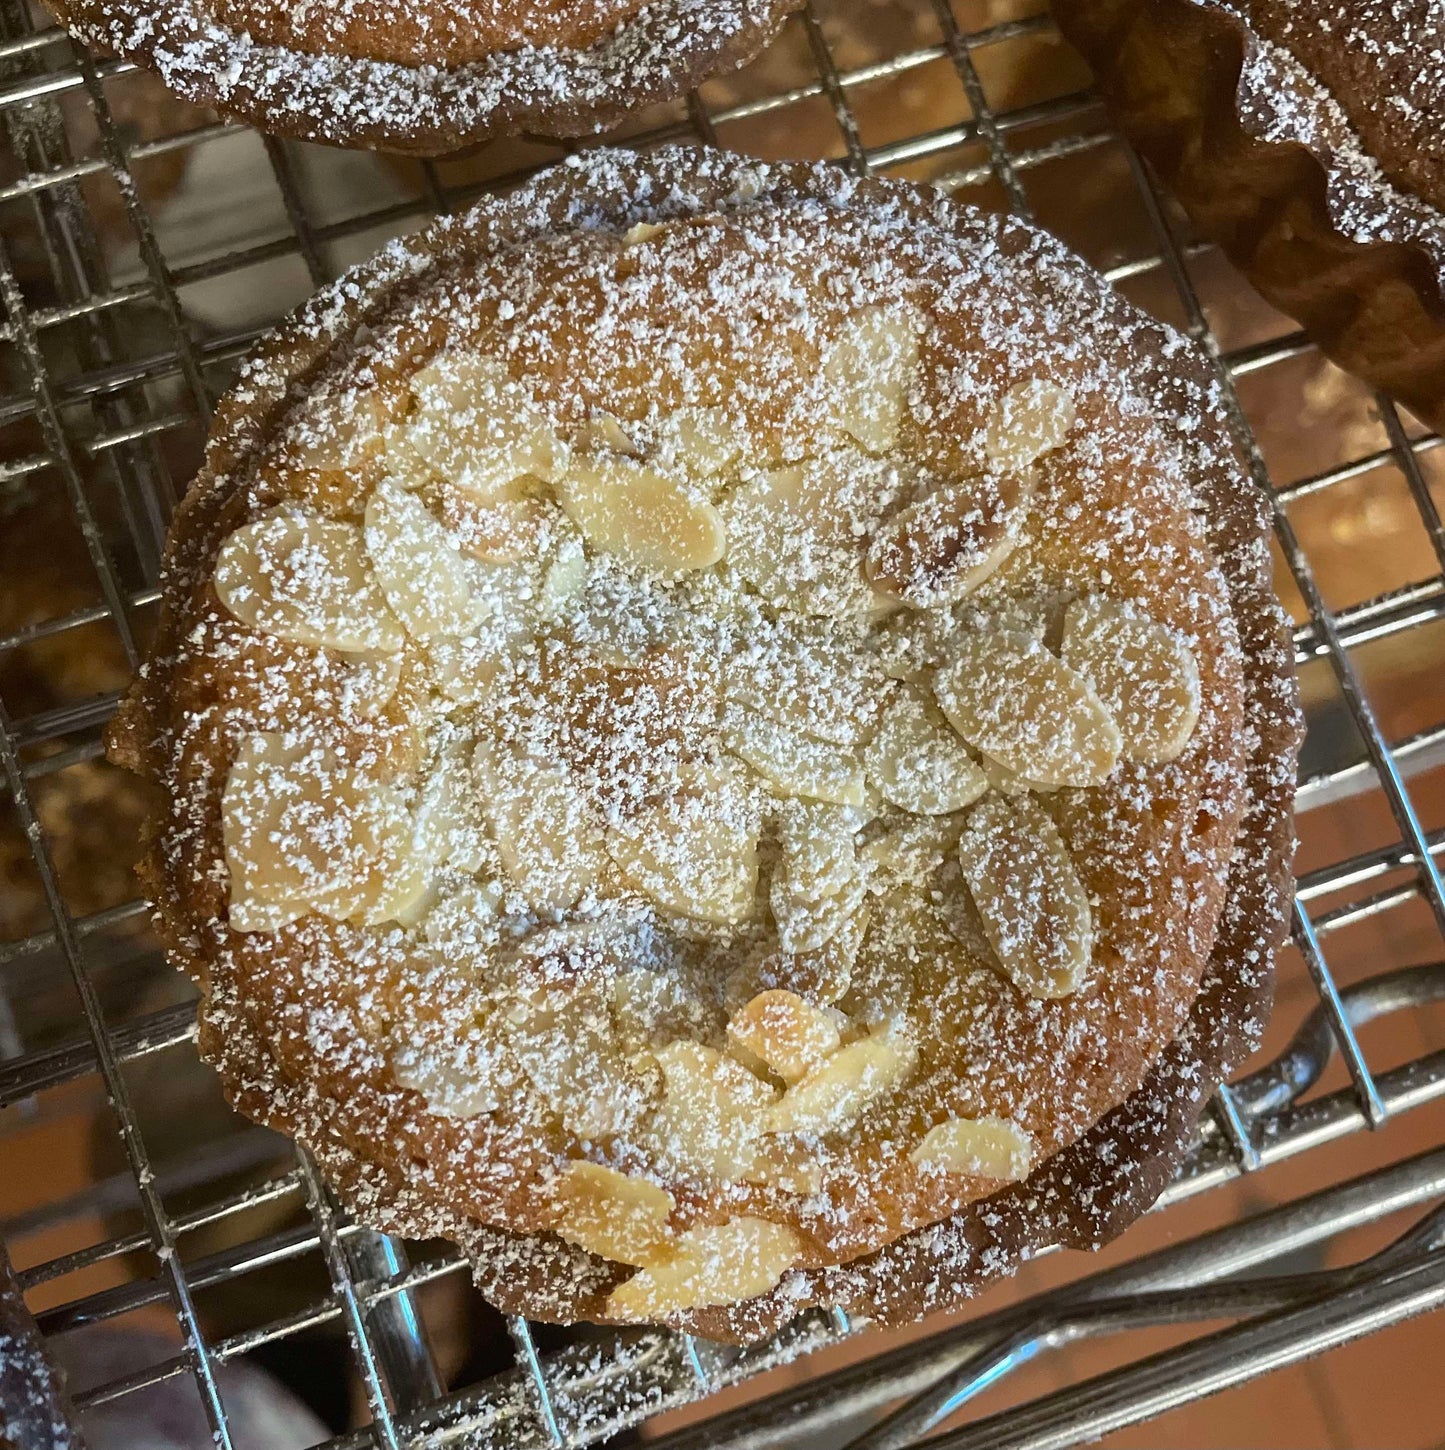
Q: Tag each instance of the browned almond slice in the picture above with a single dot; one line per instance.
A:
(804, 677)
(335, 431)
(303, 832)
(784, 1032)
(694, 855)
(701, 441)
(419, 566)
(634, 236)
(820, 976)
(918, 763)
(794, 764)
(944, 545)
(460, 1081)
(650, 519)
(723, 1264)
(550, 844)
(868, 370)
(1007, 696)
(817, 885)
(987, 1147)
(306, 579)
(1035, 910)
(1144, 673)
(789, 1164)
(712, 1110)
(613, 1215)
(474, 426)
(836, 1090)
(1031, 419)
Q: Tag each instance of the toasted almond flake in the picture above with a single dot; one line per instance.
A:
(419, 566)
(868, 370)
(712, 1110)
(1035, 910)
(338, 431)
(634, 236)
(784, 1032)
(918, 763)
(701, 441)
(550, 844)
(1008, 697)
(308, 580)
(649, 519)
(988, 1147)
(695, 852)
(612, 1215)
(820, 976)
(788, 1164)
(1145, 673)
(458, 1080)
(605, 434)
(794, 764)
(942, 546)
(474, 426)
(303, 833)
(721, 1264)
(817, 885)
(1031, 419)
(370, 683)
(835, 1091)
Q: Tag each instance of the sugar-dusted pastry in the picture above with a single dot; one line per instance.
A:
(1305, 137)
(727, 743)
(427, 76)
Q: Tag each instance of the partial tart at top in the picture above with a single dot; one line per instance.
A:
(1305, 138)
(428, 76)
(714, 718)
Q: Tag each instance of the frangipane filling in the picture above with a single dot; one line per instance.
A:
(694, 733)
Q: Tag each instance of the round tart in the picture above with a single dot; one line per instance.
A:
(1304, 137)
(428, 76)
(726, 743)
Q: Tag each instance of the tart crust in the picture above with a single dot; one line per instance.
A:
(435, 78)
(1207, 1016)
(1318, 185)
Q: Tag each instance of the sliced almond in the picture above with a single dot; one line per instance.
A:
(817, 885)
(868, 370)
(613, 1215)
(836, 1090)
(805, 677)
(944, 545)
(701, 441)
(641, 232)
(794, 764)
(475, 427)
(460, 1080)
(335, 431)
(820, 976)
(1035, 910)
(1007, 696)
(788, 1164)
(1031, 419)
(695, 852)
(785, 1032)
(918, 763)
(722, 1264)
(649, 519)
(712, 1110)
(602, 433)
(549, 842)
(303, 832)
(978, 1147)
(1145, 673)
(306, 579)
(419, 566)
(466, 670)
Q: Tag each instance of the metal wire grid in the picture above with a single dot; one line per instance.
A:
(114, 407)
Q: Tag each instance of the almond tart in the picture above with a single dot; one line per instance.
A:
(726, 744)
(1305, 138)
(427, 77)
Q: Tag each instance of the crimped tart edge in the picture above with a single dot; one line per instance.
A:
(422, 110)
(1075, 1197)
(1189, 84)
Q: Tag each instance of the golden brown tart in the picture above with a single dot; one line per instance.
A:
(1305, 138)
(427, 76)
(727, 743)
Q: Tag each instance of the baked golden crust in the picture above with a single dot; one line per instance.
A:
(1103, 1081)
(428, 78)
(1311, 156)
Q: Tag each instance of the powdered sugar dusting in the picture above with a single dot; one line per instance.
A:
(488, 975)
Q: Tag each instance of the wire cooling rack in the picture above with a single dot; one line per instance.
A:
(145, 245)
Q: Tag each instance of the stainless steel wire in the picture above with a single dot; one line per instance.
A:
(108, 410)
